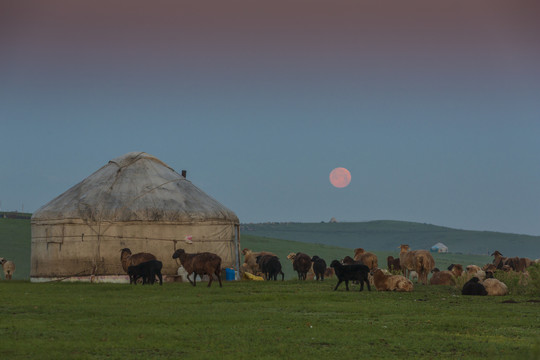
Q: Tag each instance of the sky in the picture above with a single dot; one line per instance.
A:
(433, 106)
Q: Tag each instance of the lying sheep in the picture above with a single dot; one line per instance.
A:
(9, 268)
(147, 271)
(204, 263)
(495, 287)
(474, 287)
(442, 277)
(475, 271)
(349, 273)
(385, 282)
(319, 267)
(270, 266)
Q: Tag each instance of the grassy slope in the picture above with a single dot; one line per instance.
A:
(387, 235)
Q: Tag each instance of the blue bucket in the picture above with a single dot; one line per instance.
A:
(229, 274)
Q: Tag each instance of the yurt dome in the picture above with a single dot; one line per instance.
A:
(135, 201)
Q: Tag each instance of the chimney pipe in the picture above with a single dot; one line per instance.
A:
(184, 173)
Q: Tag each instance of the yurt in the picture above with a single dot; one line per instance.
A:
(440, 248)
(135, 201)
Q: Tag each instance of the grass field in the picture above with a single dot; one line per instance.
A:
(261, 320)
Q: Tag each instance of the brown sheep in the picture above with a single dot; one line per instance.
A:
(9, 268)
(385, 282)
(301, 264)
(475, 271)
(420, 261)
(129, 259)
(366, 258)
(347, 260)
(204, 263)
(393, 264)
(250, 261)
(516, 263)
(442, 277)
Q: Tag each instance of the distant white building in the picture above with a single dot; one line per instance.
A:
(439, 247)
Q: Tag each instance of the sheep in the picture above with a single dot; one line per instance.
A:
(445, 277)
(329, 272)
(495, 287)
(9, 268)
(319, 267)
(413, 276)
(301, 264)
(250, 260)
(347, 260)
(129, 259)
(456, 269)
(147, 270)
(385, 282)
(516, 263)
(204, 263)
(351, 272)
(419, 260)
(474, 287)
(475, 270)
(270, 266)
(393, 264)
(367, 258)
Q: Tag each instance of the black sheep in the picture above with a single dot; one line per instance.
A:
(473, 287)
(147, 271)
(351, 272)
(270, 266)
(319, 267)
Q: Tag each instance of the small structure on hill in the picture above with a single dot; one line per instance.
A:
(333, 220)
(135, 201)
(439, 248)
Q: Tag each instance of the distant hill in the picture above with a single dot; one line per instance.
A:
(386, 235)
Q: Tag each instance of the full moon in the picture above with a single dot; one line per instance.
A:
(340, 177)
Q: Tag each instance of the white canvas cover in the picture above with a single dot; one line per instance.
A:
(135, 201)
(439, 247)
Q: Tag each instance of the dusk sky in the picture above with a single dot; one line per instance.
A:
(433, 106)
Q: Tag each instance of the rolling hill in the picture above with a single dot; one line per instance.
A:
(388, 235)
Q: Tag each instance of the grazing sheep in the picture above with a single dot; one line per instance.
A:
(9, 268)
(445, 277)
(319, 267)
(367, 258)
(474, 287)
(349, 273)
(129, 259)
(204, 263)
(301, 264)
(495, 287)
(420, 261)
(393, 264)
(384, 282)
(147, 270)
(250, 260)
(270, 266)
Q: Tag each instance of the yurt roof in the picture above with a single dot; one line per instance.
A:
(135, 187)
(439, 245)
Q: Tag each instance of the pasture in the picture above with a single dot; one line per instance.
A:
(262, 320)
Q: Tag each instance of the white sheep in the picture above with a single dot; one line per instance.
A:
(9, 268)
(495, 287)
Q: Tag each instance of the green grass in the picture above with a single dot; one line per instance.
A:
(261, 320)
(15, 241)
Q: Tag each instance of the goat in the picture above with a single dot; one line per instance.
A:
(516, 263)
(393, 264)
(351, 272)
(204, 263)
(301, 264)
(366, 258)
(250, 260)
(419, 260)
(9, 268)
(319, 267)
(474, 287)
(384, 282)
(147, 270)
(270, 266)
(129, 259)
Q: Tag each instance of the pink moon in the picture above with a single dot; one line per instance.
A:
(340, 177)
